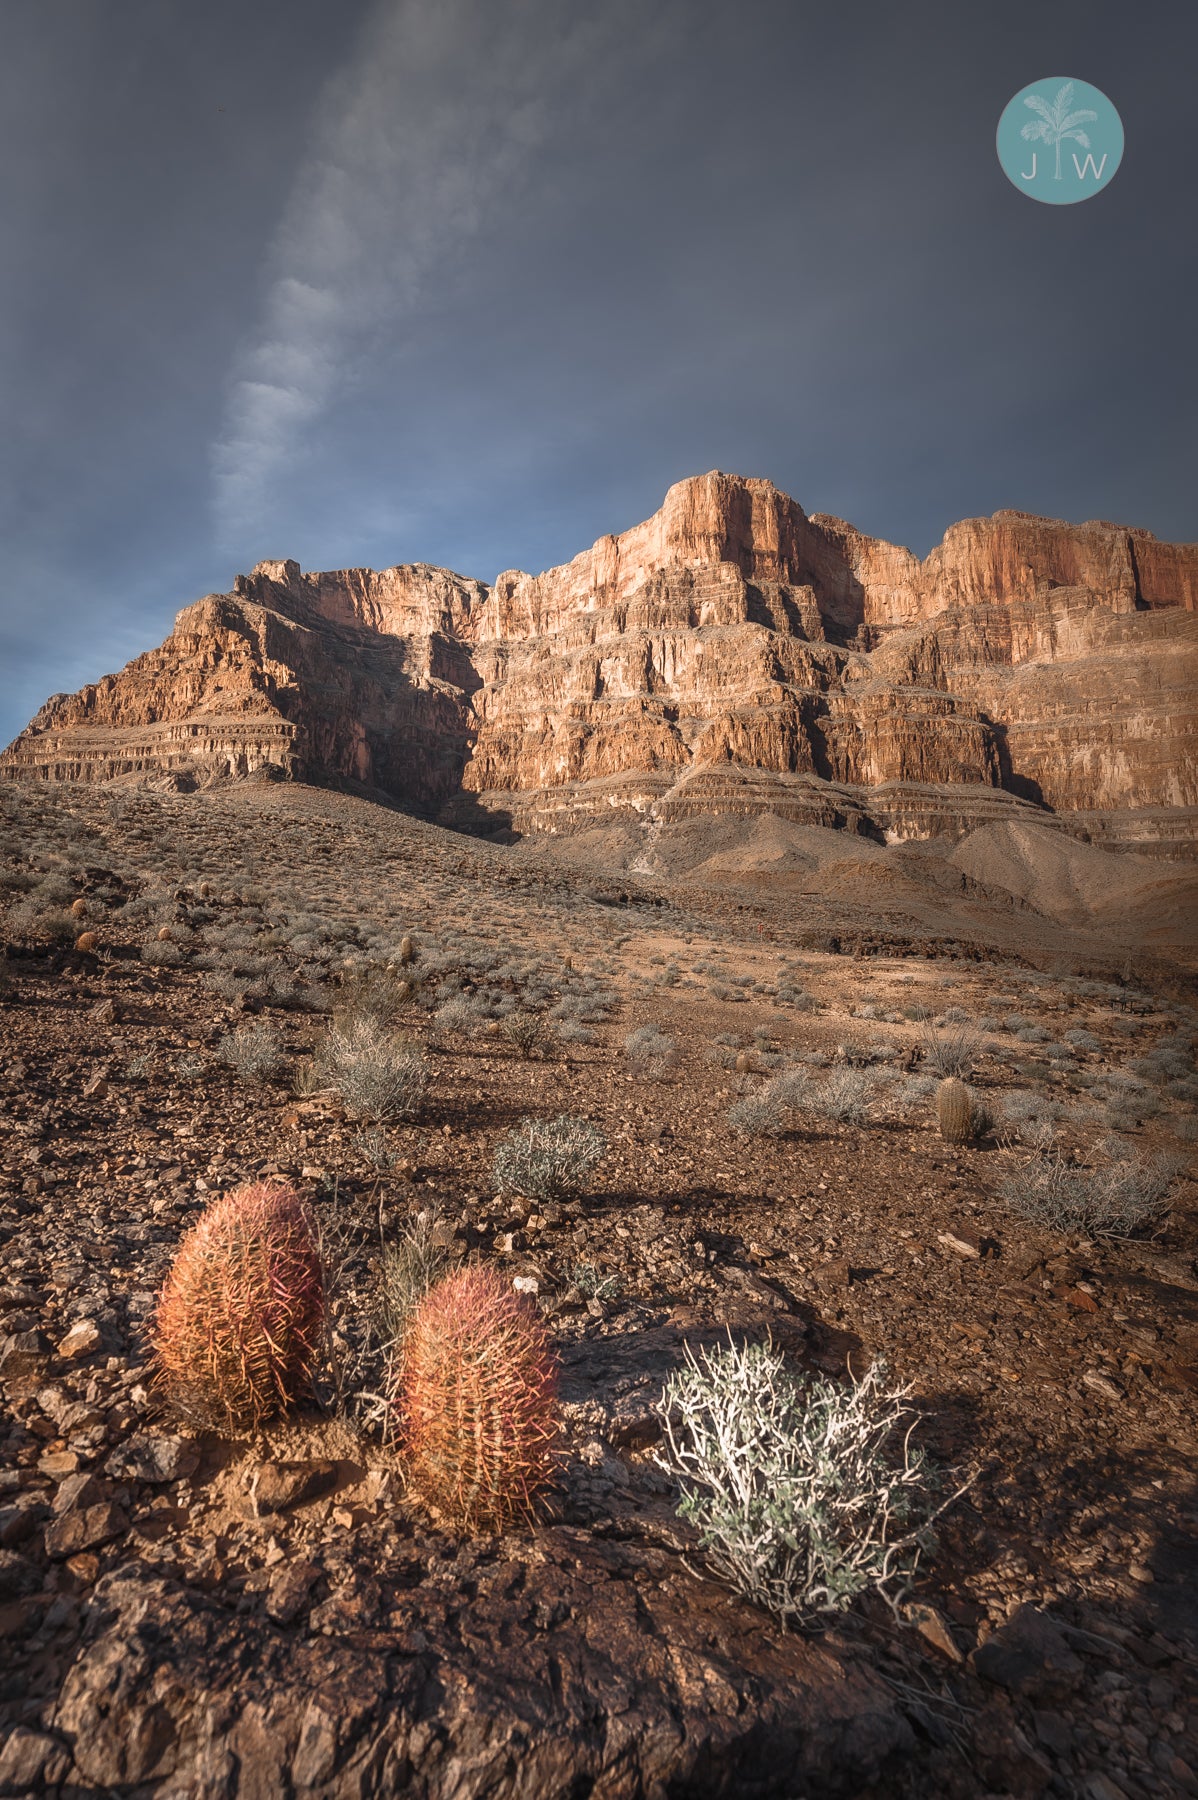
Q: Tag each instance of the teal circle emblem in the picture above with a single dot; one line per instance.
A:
(1060, 140)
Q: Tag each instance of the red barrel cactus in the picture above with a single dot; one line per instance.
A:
(237, 1330)
(477, 1397)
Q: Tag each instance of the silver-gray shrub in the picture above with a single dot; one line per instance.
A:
(548, 1159)
(804, 1495)
(378, 1077)
(164, 955)
(767, 1110)
(650, 1052)
(1028, 1118)
(458, 1013)
(254, 1052)
(844, 1095)
(1120, 1200)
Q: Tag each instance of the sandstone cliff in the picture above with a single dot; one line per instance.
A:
(730, 653)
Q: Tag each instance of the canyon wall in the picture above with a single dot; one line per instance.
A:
(1024, 660)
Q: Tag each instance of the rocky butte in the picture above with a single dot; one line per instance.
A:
(731, 654)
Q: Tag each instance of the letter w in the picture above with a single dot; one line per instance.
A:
(1089, 166)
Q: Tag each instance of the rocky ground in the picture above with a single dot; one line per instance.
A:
(182, 1614)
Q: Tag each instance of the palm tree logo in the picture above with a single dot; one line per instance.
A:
(1055, 123)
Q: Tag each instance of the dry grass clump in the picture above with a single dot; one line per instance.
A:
(239, 1320)
(379, 1078)
(253, 1051)
(952, 1051)
(409, 1265)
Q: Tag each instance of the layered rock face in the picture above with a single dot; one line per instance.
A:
(729, 636)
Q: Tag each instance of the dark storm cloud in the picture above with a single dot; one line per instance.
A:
(471, 283)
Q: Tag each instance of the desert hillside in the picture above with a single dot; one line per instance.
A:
(918, 1114)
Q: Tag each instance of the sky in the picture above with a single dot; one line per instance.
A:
(472, 282)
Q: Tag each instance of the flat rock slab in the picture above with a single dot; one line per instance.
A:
(540, 1668)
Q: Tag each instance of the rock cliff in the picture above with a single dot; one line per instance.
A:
(730, 653)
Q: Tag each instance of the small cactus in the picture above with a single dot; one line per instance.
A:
(954, 1111)
(407, 950)
(86, 940)
(477, 1400)
(164, 934)
(79, 908)
(239, 1318)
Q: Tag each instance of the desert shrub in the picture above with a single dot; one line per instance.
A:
(162, 954)
(956, 1015)
(378, 1077)
(1162, 1065)
(804, 1495)
(477, 1399)
(409, 1265)
(548, 1159)
(1082, 1040)
(374, 1147)
(373, 997)
(765, 1112)
(229, 988)
(650, 1052)
(530, 1033)
(843, 1096)
(457, 1014)
(238, 1323)
(190, 1068)
(254, 1052)
(593, 1284)
(1186, 1128)
(572, 1033)
(916, 1012)
(1117, 1201)
(953, 1051)
(34, 918)
(1028, 1118)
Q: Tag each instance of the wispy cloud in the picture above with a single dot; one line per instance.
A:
(428, 126)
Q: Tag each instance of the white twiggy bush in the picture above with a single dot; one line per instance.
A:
(1119, 1201)
(804, 1495)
